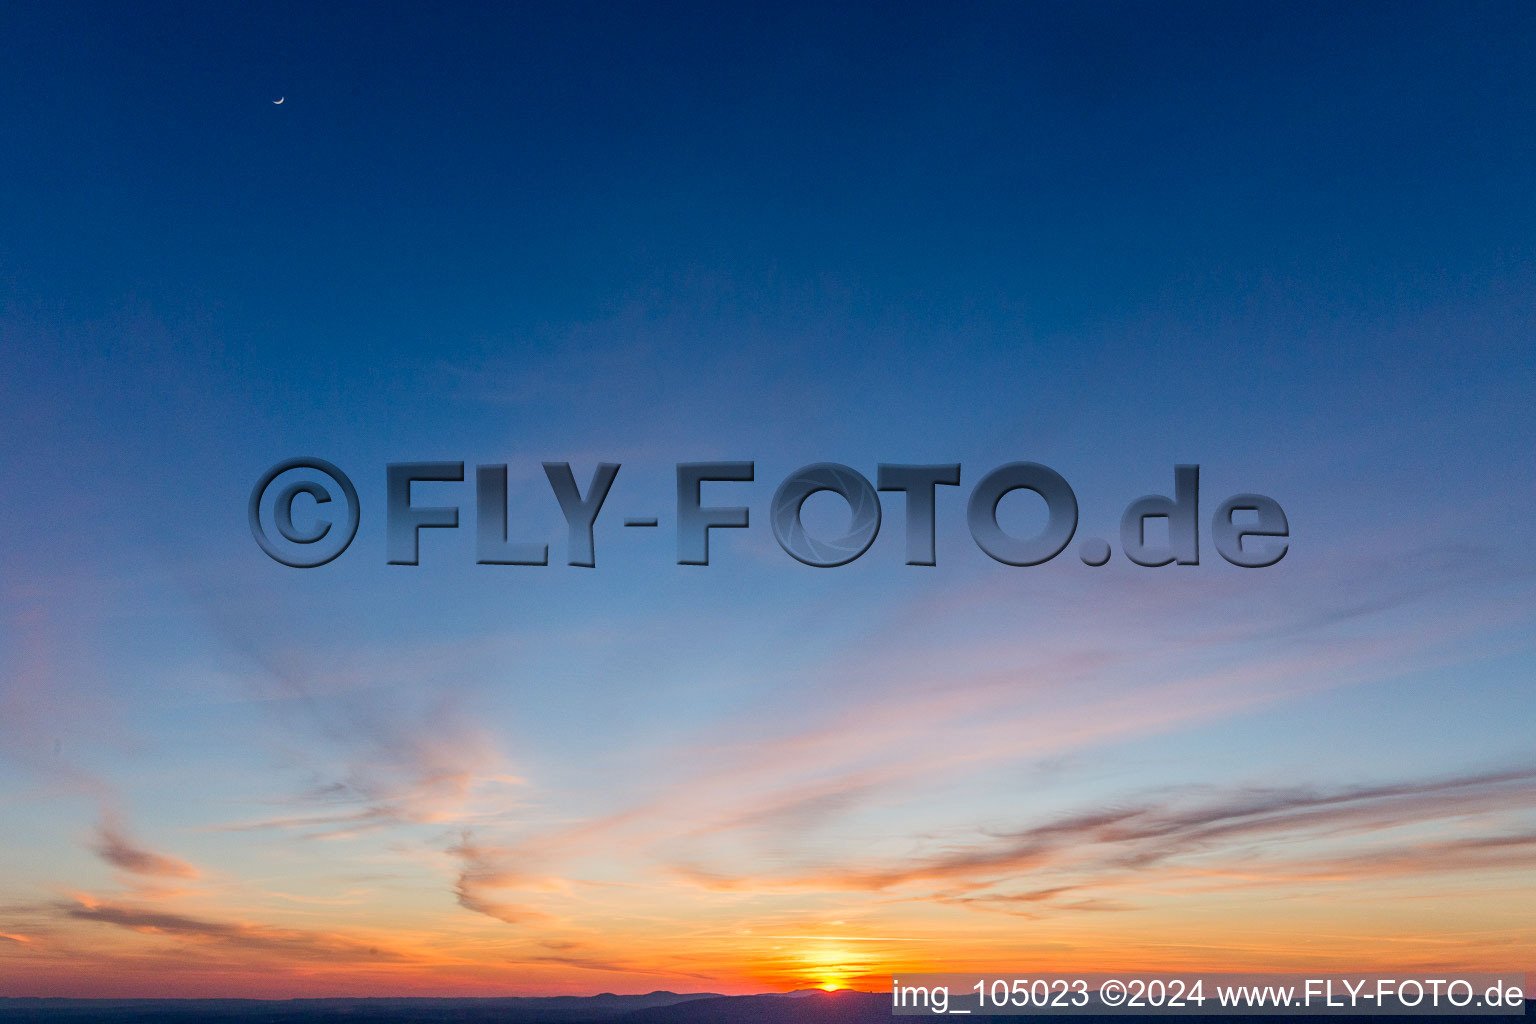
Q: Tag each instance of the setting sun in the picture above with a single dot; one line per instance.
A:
(829, 968)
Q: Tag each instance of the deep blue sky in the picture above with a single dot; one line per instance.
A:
(1293, 243)
(1072, 161)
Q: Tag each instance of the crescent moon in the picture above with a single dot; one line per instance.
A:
(278, 100)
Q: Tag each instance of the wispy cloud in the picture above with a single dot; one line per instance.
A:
(234, 935)
(486, 868)
(115, 847)
(398, 766)
(607, 965)
(1344, 832)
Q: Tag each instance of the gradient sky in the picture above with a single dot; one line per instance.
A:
(1295, 244)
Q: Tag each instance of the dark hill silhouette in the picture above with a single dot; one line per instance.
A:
(811, 1007)
(598, 1009)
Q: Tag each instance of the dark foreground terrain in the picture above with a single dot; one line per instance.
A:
(652, 1008)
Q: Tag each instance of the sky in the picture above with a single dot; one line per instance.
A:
(1293, 244)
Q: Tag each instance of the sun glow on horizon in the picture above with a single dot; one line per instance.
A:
(828, 968)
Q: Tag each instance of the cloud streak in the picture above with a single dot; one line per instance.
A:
(231, 935)
(485, 868)
(115, 847)
(1354, 831)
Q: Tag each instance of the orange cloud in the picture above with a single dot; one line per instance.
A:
(113, 846)
(289, 943)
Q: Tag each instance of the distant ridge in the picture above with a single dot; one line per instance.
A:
(811, 1006)
(808, 1006)
(599, 1009)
